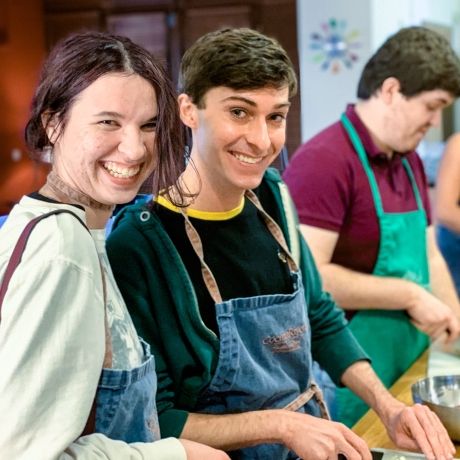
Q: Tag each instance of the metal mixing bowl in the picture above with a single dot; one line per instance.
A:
(442, 395)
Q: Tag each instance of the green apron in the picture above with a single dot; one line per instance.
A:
(388, 336)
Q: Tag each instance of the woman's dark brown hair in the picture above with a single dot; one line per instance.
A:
(77, 62)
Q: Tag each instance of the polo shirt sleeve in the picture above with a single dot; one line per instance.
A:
(318, 182)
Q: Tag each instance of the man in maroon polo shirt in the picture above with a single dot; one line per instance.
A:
(361, 194)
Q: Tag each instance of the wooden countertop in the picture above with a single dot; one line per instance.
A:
(371, 429)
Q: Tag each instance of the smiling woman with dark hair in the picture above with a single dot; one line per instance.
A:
(76, 381)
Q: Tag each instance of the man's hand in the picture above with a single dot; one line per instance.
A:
(413, 428)
(313, 438)
(432, 316)
(197, 451)
(418, 428)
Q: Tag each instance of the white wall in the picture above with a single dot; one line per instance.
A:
(325, 94)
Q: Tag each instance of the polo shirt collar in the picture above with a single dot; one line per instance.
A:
(372, 151)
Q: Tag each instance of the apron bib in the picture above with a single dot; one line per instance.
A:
(388, 336)
(125, 402)
(264, 360)
(125, 407)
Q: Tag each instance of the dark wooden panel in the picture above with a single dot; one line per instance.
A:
(59, 25)
(66, 5)
(216, 3)
(107, 5)
(149, 30)
(140, 4)
(3, 22)
(278, 19)
(198, 21)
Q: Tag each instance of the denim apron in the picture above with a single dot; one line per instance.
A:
(388, 336)
(124, 408)
(125, 402)
(265, 359)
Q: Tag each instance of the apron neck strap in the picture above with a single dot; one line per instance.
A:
(273, 228)
(359, 148)
(410, 173)
(197, 245)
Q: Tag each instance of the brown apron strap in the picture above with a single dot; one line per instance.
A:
(304, 397)
(90, 426)
(107, 364)
(197, 246)
(274, 229)
(20, 246)
(66, 194)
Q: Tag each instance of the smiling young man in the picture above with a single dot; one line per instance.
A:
(226, 291)
(361, 194)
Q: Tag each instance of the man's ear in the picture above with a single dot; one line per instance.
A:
(188, 111)
(389, 89)
(51, 125)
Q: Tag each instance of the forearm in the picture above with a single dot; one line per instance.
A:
(355, 291)
(363, 381)
(236, 431)
(351, 289)
(410, 428)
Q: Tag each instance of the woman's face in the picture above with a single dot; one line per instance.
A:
(107, 148)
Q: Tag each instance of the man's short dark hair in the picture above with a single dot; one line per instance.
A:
(419, 58)
(238, 59)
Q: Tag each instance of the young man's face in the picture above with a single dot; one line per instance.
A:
(237, 135)
(410, 118)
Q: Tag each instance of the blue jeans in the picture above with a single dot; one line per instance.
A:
(449, 245)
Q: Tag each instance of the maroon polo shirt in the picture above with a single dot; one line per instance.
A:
(331, 190)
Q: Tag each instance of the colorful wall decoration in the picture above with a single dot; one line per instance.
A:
(336, 46)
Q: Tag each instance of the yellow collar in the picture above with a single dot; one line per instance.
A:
(203, 215)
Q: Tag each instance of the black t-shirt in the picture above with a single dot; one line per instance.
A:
(243, 256)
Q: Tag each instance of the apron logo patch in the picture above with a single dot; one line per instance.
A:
(287, 341)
